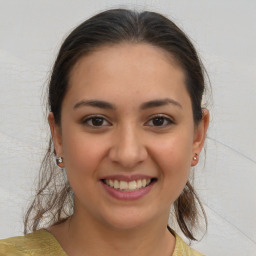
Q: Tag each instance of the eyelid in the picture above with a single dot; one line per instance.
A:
(166, 117)
(90, 117)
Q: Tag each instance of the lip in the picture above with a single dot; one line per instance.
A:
(127, 195)
(126, 178)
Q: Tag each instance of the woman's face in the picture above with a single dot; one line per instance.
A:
(127, 135)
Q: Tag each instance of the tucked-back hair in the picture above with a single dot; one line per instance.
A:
(53, 201)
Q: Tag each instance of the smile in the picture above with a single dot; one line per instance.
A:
(123, 187)
(127, 186)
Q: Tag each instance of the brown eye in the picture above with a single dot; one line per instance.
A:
(160, 121)
(96, 121)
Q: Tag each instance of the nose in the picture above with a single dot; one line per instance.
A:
(128, 149)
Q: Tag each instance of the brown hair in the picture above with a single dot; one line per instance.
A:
(53, 201)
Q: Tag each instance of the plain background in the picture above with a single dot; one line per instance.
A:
(224, 33)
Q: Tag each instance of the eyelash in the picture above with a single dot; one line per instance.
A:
(165, 119)
(94, 117)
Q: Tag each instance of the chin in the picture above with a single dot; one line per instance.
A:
(127, 220)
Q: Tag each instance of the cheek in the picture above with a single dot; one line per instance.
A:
(82, 153)
(174, 151)
(173, 158)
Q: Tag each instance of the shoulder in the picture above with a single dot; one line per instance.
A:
(182, 249)
(38, 243)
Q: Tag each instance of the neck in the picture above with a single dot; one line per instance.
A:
(85, 237)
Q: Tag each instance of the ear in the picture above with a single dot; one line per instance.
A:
(56, 135)
(199, 136)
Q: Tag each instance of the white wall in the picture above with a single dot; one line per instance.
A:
(224, 32)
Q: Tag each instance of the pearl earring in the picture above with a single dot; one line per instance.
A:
(59, 162)
(195, 156)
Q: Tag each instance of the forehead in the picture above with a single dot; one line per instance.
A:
(135, 70)
(135, 55)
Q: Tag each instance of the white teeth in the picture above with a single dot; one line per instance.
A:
(132, 185)
(111, 183)
(116, 184)
(123, 185)
(128, 186)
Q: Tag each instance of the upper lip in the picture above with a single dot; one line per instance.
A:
(127, 177)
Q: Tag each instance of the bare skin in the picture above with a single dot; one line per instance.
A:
(112, 242)
(127, 136)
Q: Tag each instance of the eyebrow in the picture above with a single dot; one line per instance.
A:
(94, 103)
(145, 105)
(159, 103)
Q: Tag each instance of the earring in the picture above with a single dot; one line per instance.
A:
(59, 162)
(195, 156)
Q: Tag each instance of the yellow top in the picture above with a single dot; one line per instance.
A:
(42, 243)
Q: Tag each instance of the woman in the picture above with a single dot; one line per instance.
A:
(127, 125)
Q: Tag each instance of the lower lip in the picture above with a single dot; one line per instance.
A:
(125, 195)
